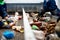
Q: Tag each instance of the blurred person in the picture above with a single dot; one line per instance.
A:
(3, 13)
(3, 9)
(50, 6)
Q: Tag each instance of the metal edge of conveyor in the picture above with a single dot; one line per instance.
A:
(28, 33)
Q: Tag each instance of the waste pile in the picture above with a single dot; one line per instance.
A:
(43, 27)
(11, 22)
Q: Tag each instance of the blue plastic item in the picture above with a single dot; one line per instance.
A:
(8, 34)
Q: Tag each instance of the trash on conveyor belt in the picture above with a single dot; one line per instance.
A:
(44, 25)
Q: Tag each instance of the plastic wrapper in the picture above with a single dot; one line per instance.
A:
(39, 34)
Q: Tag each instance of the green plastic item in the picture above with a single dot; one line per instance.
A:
(34, 27)
(2, 2)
